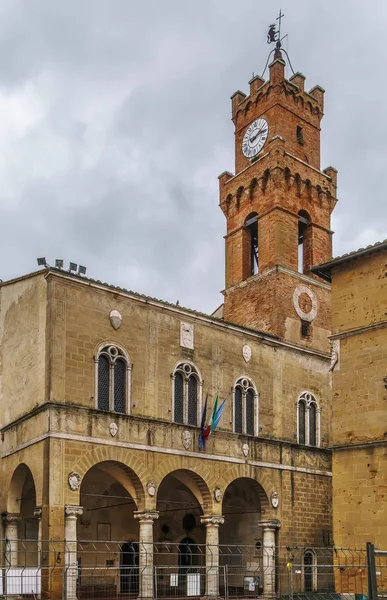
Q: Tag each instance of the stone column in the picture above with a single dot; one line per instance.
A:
(145, 548)
(268, 558)
(71, 514)
(11, 521)
(212, 523)
(38, 516)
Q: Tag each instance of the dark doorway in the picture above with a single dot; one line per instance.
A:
(188, 555)
(129, 568)
(308, 572)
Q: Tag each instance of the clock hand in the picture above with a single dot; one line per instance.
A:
(257, 134)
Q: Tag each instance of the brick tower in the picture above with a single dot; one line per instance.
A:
(278, 207)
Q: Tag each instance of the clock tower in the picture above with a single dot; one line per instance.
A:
(278, 206)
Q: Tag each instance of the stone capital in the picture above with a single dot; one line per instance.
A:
(73, 511)
(146, 516)
(270, 524)
(212, 520)
(11, 517)
(38, 512)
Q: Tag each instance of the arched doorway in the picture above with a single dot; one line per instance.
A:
(21, 506)
(188, 555)
(241, 537)
(182, 499)
(129, 565)
(108, 533)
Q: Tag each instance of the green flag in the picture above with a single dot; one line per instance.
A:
(215, 410)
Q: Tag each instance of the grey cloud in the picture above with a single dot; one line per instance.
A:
(115, 123)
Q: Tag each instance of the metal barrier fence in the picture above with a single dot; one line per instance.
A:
(111, 570)
(377, 572)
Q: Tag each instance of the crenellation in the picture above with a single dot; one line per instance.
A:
(298, 79)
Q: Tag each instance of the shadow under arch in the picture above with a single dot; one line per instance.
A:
(110, 494)
(21, 488)
(117, 472)
(241, 536)
(21, 505)
(183, 497)
(196, 485)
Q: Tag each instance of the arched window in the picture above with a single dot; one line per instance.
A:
(310, 571)
(301, 422)
(250, 245)
(187, 388)
(308, 420)
(245, 407)
(112, 380)
(303, 242)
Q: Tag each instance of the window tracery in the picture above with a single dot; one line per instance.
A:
(112, 379)
(245, 407)
(186, 394)
(308, 420)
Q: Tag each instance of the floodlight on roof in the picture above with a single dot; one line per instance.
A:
(59, 263)
(41, 261)
(81, 270)
(73, 266)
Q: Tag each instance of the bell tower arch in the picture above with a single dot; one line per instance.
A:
(278, 207)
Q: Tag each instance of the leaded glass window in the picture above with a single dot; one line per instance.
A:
(103, 382)
(179, 398)
(312, 425)
(250, 412)
(112, 379)
(119, 386)
(238, 410)
(186, 394)
(192, 400)
(245, 407)
(301, 422)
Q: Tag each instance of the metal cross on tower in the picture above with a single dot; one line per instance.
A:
(279, 18)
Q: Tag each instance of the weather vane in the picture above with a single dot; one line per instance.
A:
(274, 35)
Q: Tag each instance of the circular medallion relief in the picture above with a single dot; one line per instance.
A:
(305, 303)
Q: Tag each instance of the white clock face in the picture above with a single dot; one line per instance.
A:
(255, 137)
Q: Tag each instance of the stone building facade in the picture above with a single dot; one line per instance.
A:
(359, 339)
(103, 389)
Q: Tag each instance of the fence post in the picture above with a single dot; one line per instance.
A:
(371, 569)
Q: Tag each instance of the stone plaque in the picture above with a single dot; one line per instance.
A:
(187, 335)
(115, 319)
(246, 351)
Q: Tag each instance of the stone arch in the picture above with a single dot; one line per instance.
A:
(261, 478)
(199, 485)
(15, 487)
(131, 470)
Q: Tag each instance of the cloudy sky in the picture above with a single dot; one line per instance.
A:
(115, 124)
